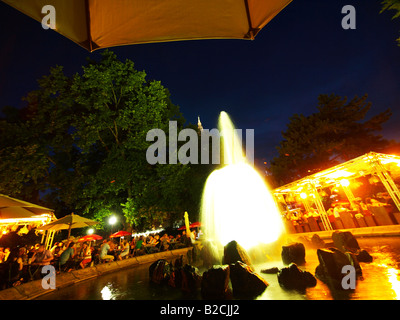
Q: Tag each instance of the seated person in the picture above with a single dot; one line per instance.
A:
(125, 250)
(138, 250)
(164, 242)
(105, 247)
(154, 243)
(66, 259)
(42, 256)
(85, 255)
(57, 249)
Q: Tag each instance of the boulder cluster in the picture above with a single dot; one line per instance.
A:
(334, 259)
(235, 277)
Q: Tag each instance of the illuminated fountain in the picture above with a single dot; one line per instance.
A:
(237, 204)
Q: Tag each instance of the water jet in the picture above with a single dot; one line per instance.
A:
(237, 203)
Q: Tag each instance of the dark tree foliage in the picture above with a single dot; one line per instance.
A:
(338, 132)
(80, 146)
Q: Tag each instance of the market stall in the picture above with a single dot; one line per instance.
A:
(362, 192)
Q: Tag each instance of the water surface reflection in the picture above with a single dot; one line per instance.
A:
(381, 280)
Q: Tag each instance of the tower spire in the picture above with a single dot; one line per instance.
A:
(199, 125)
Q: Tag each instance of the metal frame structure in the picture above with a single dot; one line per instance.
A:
(380, 165)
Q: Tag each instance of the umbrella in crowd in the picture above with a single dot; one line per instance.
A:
(90, 237)
(120, 234)
(195, 225)
(69, 222)
(192, 225)
(100, 24)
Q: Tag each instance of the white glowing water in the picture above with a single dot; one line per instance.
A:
(237, 204)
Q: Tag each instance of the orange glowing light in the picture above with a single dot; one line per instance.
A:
(303, 195)
(345, 182)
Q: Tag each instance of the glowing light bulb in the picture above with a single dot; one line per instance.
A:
(345, 182)
(303, 195)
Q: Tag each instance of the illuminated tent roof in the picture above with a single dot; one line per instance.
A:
(352, 169)
(14, 211)
(95, 24)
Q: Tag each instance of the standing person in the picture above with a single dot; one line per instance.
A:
(105, 247)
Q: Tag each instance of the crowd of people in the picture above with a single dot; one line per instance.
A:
(22, 264)
(359, 209)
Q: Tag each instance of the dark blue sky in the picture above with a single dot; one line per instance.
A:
(300, 54)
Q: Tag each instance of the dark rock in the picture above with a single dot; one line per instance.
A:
(354, 262)
(191, 278)
(345, 241)
(329, 244)
(209, 255)
(317, 242)
(160, 271)
(186, 278)
(233, 252)
(364, 256)
(246, 284)
(331, 263)
(215, 283)
(179, 262)
(294, 253)
(272, 270)
(292, 277)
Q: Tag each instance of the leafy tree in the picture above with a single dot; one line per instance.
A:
(392, 5)
(81, 140)
(337, 132)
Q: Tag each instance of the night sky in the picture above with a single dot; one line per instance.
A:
(301, 53)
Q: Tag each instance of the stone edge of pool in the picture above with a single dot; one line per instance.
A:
(33, 289)
(378, 231)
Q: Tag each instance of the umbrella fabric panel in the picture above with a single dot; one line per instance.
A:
(262, 12)
(15, 213)
(91, 237)
(6, 201)
(156, 21)
(120, 234)
(71, 18)
(99, 24)
(11, 208)
(195, 225)
(62, 226)
(71, 221)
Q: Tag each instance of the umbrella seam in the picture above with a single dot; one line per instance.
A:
(89, 33)
(252, 31)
